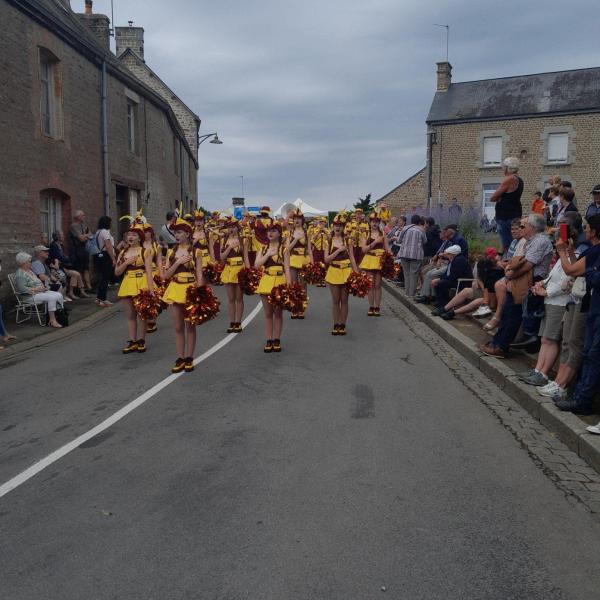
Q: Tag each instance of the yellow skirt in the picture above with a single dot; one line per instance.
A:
(337, 274)
(230, 273)
(133, 283)
(371, 262)
(297, 261)
(176, 292)
(268, 282)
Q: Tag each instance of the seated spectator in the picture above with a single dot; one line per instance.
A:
(536, 264)
(588, 265)
(458, 268)
(573, 325)
(4, 335)
(516, 248)
(64, 262)
(471, 298)
(28, 284)
(48, 272)
(538, 205)
(594, 207)
(491, 274)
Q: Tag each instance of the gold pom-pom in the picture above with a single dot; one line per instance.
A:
(290, 297)
(147, 305)
(201, 305)
(249, 278)
(359, 284)
(212, 272)
(313, 273)
(160, 287)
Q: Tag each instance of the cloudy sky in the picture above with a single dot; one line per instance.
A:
(326, 99)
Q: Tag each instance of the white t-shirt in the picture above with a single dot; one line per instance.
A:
(102, 235)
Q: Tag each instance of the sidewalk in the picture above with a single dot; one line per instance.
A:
(465, 335)
(83, 313)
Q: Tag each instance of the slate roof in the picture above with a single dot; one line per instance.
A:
(64, 23)
(543, 94)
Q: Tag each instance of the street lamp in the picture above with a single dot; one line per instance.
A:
(215, 139)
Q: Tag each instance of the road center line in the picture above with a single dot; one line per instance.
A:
(45, 462)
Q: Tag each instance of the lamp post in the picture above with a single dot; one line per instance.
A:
(201, 140)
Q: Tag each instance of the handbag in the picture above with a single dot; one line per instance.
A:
(520, 285)
(62, 316)
(579, 288)
(92, 247)
(534, 306)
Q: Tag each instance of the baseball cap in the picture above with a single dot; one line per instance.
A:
(455, 249)
(596, 189)
(41, 248)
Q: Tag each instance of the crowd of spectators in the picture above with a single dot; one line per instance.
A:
(542, 289)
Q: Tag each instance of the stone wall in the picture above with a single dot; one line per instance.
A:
(457, 169)
(408, 195)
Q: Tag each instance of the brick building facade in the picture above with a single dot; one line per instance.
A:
(58, 153)
(549, 121)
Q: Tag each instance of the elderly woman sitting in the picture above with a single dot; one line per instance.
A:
(29, 284)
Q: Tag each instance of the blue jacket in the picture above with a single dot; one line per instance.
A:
(460, 268)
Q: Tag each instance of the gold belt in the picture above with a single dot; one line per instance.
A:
(299, 251)
(179, 278)
(235, 262)
(135, 273)
(341, 264)
(274, 271)
(378, 252)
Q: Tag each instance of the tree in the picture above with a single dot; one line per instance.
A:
(365, 203)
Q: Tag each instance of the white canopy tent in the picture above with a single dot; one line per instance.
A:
(307, 209)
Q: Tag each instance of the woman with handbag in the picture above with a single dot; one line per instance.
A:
(105, 259)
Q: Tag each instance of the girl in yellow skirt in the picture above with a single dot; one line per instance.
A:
(374, 246)
(276, 264)
(184, 270)
(136, 267)
(234, 257)
(200, 238)
(152, 248)
(299, 250)
(339, 257)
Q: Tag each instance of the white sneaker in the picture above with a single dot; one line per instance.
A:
(549, 389)
(483, 311)
(594, 429)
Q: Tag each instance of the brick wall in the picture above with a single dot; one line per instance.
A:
(408, 195)
(31, 162)
(457, 169)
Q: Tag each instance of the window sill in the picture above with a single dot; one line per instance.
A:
(557, 164)
(488, 167)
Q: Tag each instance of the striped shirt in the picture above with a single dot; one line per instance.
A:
(412, 240)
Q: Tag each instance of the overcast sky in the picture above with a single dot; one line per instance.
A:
(326, 99)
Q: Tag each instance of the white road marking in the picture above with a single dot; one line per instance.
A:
(22, 477)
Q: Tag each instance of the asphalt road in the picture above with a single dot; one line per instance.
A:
(343, 468)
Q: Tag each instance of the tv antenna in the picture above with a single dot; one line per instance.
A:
(447, 28)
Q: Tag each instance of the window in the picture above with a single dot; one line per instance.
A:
(131, 124)
(558, 147)
(50, 95)
(489, 208)
(50, 212)
(492, 151)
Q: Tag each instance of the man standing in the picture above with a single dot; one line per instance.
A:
(508, 200)
(538, 253)
(79, 234)
(594, 207)
(412, 240)
(167, 235)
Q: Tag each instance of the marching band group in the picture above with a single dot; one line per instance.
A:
(277, 250)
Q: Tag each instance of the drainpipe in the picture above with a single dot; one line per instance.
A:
(104, 103)
(430, 135)
(182, 196)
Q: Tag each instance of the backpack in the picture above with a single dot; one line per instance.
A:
(92, 247)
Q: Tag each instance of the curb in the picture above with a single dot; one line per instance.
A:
(58, 335)
(568, 428)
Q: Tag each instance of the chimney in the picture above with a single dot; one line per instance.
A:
(98, 24)
(444, 76)
(130, 38)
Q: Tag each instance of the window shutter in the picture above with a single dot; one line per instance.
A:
(492, 150)
(558, 147)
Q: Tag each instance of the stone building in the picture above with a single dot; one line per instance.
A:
(79, 130)
(550, 121)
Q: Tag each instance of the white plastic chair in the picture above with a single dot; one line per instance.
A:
(25, 304)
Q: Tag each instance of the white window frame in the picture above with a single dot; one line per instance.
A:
(131, 125)
(487, 190)
(564, 157)
(50, 214)
(485, 161)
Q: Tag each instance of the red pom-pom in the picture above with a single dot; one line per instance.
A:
(249, 278)
(160, 287)
(389, 269)
(289, 297)
(147, 305)
(313, 273)
(359, 284)
(201, 305)
(212, 272)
